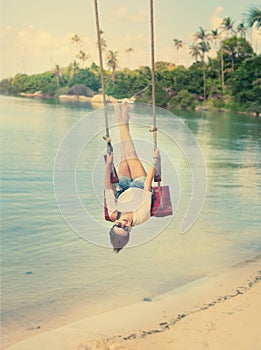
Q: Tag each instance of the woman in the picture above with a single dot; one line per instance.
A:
(129, 204)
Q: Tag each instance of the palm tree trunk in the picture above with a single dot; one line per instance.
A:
(204, 80)
(222, 72)
(113, 76)
(204, 76)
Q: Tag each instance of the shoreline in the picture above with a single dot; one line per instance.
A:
(141, 325)
(97, 102)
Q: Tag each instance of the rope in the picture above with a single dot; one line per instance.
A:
(154, 129)
(114, 176)
(157, 177)
(107, 136)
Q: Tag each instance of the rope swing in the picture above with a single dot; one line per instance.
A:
(114, 176)
(162, 201)
(161, 204)
(157, 177)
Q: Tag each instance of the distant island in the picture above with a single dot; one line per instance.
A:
(229, 81)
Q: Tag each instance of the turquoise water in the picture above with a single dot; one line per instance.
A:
(51, 275)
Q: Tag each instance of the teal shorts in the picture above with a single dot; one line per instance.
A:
(126, 182)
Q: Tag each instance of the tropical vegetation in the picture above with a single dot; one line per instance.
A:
(229, 80)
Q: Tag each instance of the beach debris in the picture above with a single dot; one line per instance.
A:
(131, 336)
(28, 273)
(147, 299)
(116, 344)
(33, 328)
(164, 325)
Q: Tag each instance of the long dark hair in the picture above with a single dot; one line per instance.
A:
(118, 241)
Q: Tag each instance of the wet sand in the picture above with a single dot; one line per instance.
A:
(221, 310)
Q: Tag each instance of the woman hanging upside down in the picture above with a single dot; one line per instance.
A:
(129, 204)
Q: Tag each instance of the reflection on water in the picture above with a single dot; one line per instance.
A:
(50, 276)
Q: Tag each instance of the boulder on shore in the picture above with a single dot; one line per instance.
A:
(80, 90)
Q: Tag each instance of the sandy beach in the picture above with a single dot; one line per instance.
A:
(221, 310)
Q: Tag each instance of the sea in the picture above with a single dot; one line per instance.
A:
(57, 264)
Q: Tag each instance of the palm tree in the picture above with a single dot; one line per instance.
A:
(222, 70)
(112, 62)
(73, 68)
(178, 45)
(58, 75)
(214, 36)
(202, 35)
(76, 39)
(253, 17)
(204, 46)
(231, 52)
(103, 44)
(103, 41)
(241, 29)
(227, 26)
(203, 40)
(194, 51)
(83, 56)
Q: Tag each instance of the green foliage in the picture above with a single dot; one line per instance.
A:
(183, 100)
(86, 77)
(161, 95)
(121, 88)
(46, 83)
(239, 90)
(195, 76)
(20, 83)
(245, 82)
(235, 51)
(219, 103)
(180, 79)
(253, 17)
(23, 83)
(6, 87)
(127, 83)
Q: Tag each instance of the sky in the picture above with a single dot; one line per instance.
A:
(36, 35)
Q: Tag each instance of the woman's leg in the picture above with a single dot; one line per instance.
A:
(123, 168)
(135, 166)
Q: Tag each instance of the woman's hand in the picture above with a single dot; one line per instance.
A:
(156, 156)
(108, 167)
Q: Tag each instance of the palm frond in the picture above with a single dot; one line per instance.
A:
(253, 17)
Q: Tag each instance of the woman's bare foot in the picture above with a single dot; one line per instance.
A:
(118, 113)
(125, 113)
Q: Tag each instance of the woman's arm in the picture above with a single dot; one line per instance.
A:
(109, 190)
(152, 171)
(149, 178)
(107, 177)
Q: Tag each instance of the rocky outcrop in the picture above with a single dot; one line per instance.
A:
(80, 90)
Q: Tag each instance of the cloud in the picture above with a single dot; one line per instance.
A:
(216, 19)
(140, 54)
(123, 14)
(255, 39)
(121, 11)
(30, 50)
